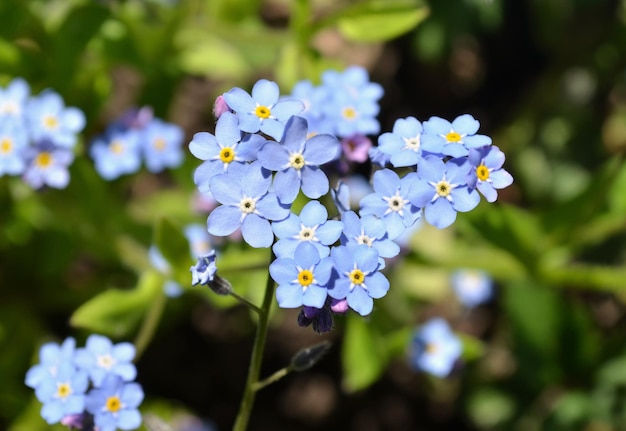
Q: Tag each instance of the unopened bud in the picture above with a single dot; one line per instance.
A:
(306, 358)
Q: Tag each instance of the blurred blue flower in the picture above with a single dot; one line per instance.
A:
(246, 202)
(63, 393)
(353, 102)
(116, 153)
(302, 279)
(435, 348)
(47, 165)
(368, 230)
(487, 174)
(115, 404)
(442, 190)
(223, 151)
(349, 192)
(100, 358)
(13, 99)
(311, 226)
(296, 161)
(51, 356)
(452, 139)
(262, 110)
(158, 261)
(472, 287)
(49, 119)
(203, 272)
(403, 144)
(392, 201)
(162, 145)
(199, 240)
(314, 99)
(357, 278)
(13, 142)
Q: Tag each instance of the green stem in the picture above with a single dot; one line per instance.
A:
(247, 401)
(273, 378)
(246, 302)
(149, 324)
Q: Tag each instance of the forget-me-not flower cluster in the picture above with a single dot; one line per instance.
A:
(93, 385)
(135, 137)
(270, 152)
(38, 135)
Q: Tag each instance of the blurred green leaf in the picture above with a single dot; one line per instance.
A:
(172, 243)
(473, 348)
(117, 312)
(490, 407)
(378, 21)
(362, 359)
(205, 54)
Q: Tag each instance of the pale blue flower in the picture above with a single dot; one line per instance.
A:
(116, 153)
(311, 226)
(224, 151)
(435, 348)
(49, 119)
(63, 393)
(51, 355)
(262, 111)
(392, 201)
(349, 192)
(357, 277)
(100, 357)
(302, 279)
(368, 230)
(487, 174)
(442, 190)
(246, 202)
(162, 145)
(199, 240)
(115, 404)
(297, 161)
(203, 272)
(47, 165)
(13, 100)
(13, 142)
(403, 144)
(452, 139)
(472, 287)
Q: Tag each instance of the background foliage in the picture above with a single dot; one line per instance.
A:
(546, 79)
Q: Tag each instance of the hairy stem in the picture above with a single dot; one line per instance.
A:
(247, 401)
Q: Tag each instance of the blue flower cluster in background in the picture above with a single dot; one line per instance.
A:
(90, 386)
(267, 151)
(38, 135)
(135, 137)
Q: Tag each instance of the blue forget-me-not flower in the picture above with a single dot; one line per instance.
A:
(403, 145)
(487, 174)
(452, 139)
(100, 357)
(115, 404)
(435, 348)
(473, 287)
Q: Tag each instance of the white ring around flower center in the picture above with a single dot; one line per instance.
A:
(247, 205)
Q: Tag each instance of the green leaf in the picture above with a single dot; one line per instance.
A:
(172, 244)
(362, 360)
(209, 55)
(117, 312)
(379, 21)
(473, 348)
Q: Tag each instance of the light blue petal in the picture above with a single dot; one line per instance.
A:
(437, 125)
(464, 200)
(288, 227)
(287, 185)
(283, 270)
(314, 182)
(313, 213)
(256, 180)
(440, 213)
(386, 182)
(265, 92)
(274, 156)
(360, 301)
(314, 296)
(271, 209)
(289, 295)
(129, 419)
(377, 285)
(127, 371)
(257, 231)
(500, 179)
(239, 101)
(132, 395)
(295, 134)
(227, 130)
(225, 189)
(273, 128)
(321, 149)
(340, 289)
(223, 220)
(487, 190)
(286, 108)
(249, 123)
(465, 125)
(329, 232)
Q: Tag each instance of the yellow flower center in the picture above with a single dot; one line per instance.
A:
(159, 144)
(357, 276)
(6, 145)
(247, 205)
(113, 404)
(443, 188)
(296, 160)
(305, 277)
(263, 112)
(43, 159)
(349, 113)
(453, 137)
(227, 154)
(482, 172)
(50, 122)
(431, 348)
(64, 390)
(116, 147)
